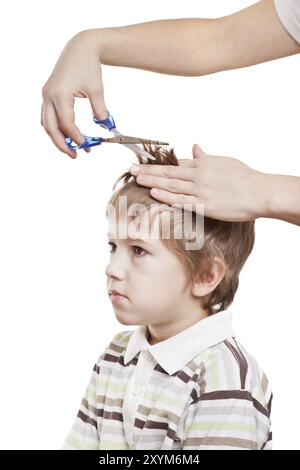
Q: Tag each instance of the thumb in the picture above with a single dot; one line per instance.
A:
(197, 151)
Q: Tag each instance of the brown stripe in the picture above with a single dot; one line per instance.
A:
(194, 396)
(244, 360)
(109, 414)
(220, 441)
(270, 404)
(201, 382)
(133, 361)
(144, 410)
(172, 434)
(268, 440)
(110, 358)
(233, 394)
(101, 399)
(185, 377)
(86, 419)
(158, 368)
(113, 415)
(155, 425)
(239, 359)
(119, 359)
(99, 411)
(89, 407)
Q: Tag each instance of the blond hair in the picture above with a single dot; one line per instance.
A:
(230, 241)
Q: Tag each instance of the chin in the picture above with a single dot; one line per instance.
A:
(124, 319)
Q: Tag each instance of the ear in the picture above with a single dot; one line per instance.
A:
(207, 281)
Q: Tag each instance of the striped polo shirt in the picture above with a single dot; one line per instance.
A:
(199, 389)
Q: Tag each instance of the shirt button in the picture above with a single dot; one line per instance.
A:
(137, 391)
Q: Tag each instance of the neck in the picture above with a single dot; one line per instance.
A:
(161, 332)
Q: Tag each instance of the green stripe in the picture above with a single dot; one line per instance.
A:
(105, 384)
(113, 445)
(214, 425)
(157, 399)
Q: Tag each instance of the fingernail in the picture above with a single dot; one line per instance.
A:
(134, 169)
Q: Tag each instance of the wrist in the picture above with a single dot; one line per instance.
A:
(94, 39)
(282, 196)
(98, 40)
(263, 195)
(279, 197)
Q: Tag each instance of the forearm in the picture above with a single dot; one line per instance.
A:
(195, 46)
(281, 198)
(177, 47)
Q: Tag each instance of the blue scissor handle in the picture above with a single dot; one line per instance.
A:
(107, 123)
(88, 142)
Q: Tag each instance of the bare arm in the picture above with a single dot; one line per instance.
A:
(198, 46)
(228, 189)
(282, 198)
(180, 46)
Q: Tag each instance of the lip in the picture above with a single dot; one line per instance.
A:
(116, 296)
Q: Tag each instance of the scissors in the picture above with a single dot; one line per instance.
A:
(129, 142)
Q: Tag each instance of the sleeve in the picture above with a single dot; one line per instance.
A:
(84, 432)
(227, 420)
(288, 12)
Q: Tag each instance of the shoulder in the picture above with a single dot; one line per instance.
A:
(115, 348)
(228, 367)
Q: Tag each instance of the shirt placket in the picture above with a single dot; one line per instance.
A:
(135, 391)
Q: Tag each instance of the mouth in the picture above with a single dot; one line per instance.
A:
(116, 296)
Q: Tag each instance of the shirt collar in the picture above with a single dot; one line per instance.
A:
(170, 353)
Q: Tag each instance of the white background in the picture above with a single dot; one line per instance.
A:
(55, 313)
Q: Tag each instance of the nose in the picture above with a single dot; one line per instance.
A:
(115, 268)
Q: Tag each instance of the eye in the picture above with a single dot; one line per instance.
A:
(112, 246)
(138, 251)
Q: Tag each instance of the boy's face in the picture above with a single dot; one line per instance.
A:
(150, 277)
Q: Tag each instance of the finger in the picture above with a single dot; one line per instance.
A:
(64, 106)
(187, 163)
(164, 171)
(197, 152)
(97, 103)
(51, 127)
(181, 201)
(173, 185)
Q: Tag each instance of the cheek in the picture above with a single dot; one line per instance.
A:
(159, 290)
(157, 280)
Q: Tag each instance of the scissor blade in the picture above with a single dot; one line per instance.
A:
(126, 139)
(135, 148)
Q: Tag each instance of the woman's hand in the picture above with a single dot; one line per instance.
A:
(77, 73)
(228, 189)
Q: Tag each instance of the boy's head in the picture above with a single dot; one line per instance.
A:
(166, 266)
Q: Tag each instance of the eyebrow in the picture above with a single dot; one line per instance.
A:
(143, 240)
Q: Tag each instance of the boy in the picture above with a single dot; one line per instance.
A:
(181, 380)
